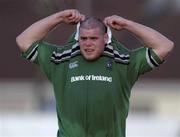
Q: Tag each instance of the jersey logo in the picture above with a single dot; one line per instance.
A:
(73, 65)
(109, 64)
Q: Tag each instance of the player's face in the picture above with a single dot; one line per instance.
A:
(92, 43)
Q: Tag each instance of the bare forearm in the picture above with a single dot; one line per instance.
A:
(151, 38)
(40, 29)
(37, 31)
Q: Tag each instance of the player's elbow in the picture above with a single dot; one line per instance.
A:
(18, 41)
(22, 43)
(166, 49)
(169, 47)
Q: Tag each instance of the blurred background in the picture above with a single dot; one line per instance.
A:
(27, 106)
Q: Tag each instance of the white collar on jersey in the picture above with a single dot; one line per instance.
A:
(108, 32)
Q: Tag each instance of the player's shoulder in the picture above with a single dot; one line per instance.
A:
(117, 45)
(138, 53)
(65, 52)
(118, 51)
(56, 47)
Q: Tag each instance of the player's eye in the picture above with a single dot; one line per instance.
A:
(83, 38)
(94, 38)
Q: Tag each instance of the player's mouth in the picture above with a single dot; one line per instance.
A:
(89, 51)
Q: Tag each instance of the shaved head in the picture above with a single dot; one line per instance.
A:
(92, 22)
(92, 38)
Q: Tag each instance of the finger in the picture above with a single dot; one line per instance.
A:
(68, 13)
(105, 22)
(71, 16)
(79, 17)
(76, 19)
(82, 17)
(108, 21)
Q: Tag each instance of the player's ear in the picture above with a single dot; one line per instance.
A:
(106, 38)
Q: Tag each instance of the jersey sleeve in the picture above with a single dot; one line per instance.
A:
(40, 53)
(143, 60)
(31, 53)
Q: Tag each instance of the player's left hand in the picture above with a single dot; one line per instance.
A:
(115, 22)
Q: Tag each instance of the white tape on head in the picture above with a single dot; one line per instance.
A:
(109, 32)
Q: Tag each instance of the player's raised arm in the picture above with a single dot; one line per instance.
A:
(150, 37)
(39, 29)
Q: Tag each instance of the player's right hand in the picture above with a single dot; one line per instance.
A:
(71, 16)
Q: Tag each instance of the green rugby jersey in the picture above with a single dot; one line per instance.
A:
(92, 97)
